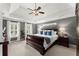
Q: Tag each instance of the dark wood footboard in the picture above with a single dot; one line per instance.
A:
(37, 43)
(37, 47)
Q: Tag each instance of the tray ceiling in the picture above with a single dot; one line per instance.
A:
(53, 11)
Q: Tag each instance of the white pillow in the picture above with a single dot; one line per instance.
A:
(53, 32)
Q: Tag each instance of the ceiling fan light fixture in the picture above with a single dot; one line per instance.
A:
(36, 11)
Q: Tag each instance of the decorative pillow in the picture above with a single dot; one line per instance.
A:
(41, 32)
(53, 32)
(50, 33)
(45, 32)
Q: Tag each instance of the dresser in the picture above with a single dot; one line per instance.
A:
(64, 41)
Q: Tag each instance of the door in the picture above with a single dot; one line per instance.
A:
(13, 30)
(29, 28)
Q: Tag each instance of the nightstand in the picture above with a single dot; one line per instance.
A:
(64, 41)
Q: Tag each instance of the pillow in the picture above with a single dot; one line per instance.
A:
(53, 33)
(49, 33)
(45, 32)
(41, 32)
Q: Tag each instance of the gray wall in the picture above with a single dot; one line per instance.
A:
(22, 29)
(5, 25)
(70, 26)
(34, 27)
(22, 26)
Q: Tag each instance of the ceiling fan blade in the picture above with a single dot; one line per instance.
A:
(41, 12)
(39, 8)
(29, 9)
(31, 13)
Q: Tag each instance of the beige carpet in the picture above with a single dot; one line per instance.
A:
(0, 50)
(20, 48)
(58, 50)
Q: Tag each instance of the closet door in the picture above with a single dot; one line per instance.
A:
(77, 18)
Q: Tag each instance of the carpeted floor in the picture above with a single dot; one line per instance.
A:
(20, 48)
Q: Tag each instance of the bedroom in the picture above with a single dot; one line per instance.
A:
(33, 25)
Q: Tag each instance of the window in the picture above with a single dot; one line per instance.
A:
(14, 29)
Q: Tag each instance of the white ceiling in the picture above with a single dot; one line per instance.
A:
(53, 11)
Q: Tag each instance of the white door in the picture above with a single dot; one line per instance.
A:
(28, 29)
(13, 30)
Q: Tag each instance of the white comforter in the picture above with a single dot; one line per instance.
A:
(52, 39)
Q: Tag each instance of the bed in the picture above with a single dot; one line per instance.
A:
(42, 41)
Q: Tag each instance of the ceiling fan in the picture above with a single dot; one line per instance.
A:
(36, 11)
